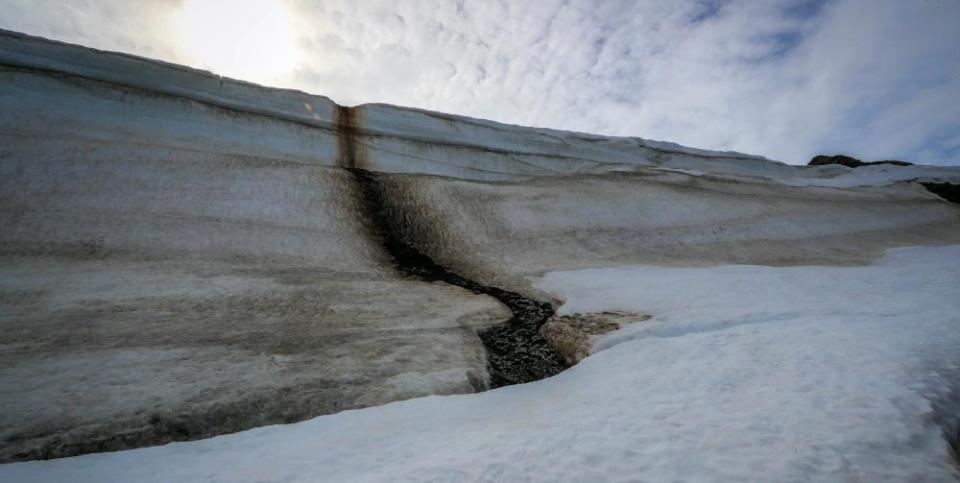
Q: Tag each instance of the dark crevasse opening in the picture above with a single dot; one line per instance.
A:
(516, 352)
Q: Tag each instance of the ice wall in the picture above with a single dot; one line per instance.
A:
(183, 255)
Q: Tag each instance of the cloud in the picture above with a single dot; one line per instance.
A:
(784, 78)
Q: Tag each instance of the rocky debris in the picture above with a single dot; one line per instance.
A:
(947, 191)
(850, 162)
(570, 335)
(516, 352)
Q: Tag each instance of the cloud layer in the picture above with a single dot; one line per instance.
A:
(787, 79)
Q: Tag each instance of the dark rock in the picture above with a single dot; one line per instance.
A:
(947, 191)
(850, 162)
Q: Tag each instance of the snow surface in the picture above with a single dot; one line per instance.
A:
(745, 373)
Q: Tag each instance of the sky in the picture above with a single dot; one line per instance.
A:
(787, 79)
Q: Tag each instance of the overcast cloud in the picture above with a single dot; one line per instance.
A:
(787, 79)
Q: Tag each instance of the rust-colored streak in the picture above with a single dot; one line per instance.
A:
(348, 130)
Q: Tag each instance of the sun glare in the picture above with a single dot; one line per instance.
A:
(253, 40)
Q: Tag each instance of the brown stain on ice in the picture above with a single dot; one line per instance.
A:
(350, 153)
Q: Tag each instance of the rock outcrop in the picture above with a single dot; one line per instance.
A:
(850, 162)
(183, 255)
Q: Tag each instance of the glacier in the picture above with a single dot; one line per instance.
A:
(185, 255)
(746, 373)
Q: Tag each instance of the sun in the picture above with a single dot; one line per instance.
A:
(253, 40)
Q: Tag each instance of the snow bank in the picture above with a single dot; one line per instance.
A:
(745, 373)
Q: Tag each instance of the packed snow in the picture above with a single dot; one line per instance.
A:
(745, 373)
